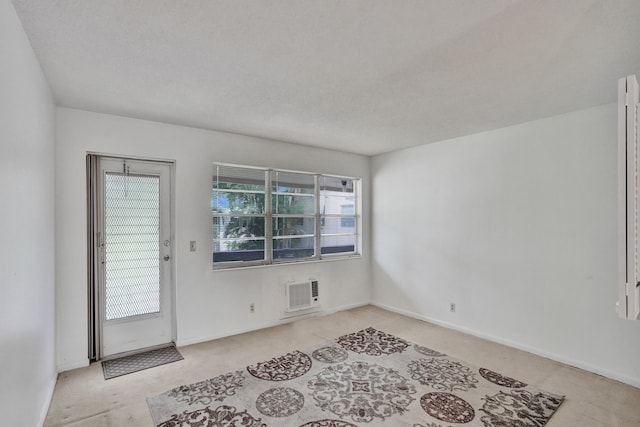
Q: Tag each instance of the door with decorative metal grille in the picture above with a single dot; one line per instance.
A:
(134, 221)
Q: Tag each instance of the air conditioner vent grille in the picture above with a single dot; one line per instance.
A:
(302, 295)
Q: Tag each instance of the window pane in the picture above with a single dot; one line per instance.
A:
(293, 226)
(337, 204)
(289, 182)
(336, 184)
(290, 204)
(238, 250)
(338, 244)
(239, 203)
(337, 196)
(338, 225)
(293, 247)
(238, 178)
(239, 191)
(232, 227)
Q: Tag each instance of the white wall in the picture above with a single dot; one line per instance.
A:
(516, 226)
(209, 304)
(27, 262)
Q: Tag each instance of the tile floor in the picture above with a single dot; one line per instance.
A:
(83, 398)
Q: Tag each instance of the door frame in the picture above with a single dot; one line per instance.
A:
(94, 294)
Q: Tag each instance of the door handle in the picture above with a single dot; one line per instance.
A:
(166, 257)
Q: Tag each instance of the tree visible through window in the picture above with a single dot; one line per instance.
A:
(265, 216)
(238, 206)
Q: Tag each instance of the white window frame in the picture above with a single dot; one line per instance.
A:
(269, 215)
(628, 304)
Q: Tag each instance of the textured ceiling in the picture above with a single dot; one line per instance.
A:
(364, 76)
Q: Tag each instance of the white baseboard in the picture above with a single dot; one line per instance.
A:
(48, 397)
(635, 382)
(68, 366)
(232, 332)
(347, 307)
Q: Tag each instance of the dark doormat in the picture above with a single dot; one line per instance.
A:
(138, 362)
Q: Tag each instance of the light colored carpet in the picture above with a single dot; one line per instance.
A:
(363, 378)
(83, 398)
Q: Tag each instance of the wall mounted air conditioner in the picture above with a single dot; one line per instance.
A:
(302, 296)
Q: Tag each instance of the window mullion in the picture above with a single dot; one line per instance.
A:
(317, 240)
(268, 222)
(356, 210)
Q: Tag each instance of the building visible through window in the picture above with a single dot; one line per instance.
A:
(265, 216)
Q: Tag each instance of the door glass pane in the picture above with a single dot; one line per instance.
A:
(132, 245)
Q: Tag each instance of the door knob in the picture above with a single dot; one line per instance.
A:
(166, 257)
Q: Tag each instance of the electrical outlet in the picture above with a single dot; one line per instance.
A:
(252, 308)
(452, 307)
(192, 246)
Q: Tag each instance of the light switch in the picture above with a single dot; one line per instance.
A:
(192, 246)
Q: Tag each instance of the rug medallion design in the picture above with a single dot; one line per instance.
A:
(367, 378)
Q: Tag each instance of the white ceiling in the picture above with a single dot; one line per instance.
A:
(364, 76)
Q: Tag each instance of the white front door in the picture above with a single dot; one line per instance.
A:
(134, 215)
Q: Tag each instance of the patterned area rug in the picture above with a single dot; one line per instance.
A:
(364, 378)
(138, 362)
